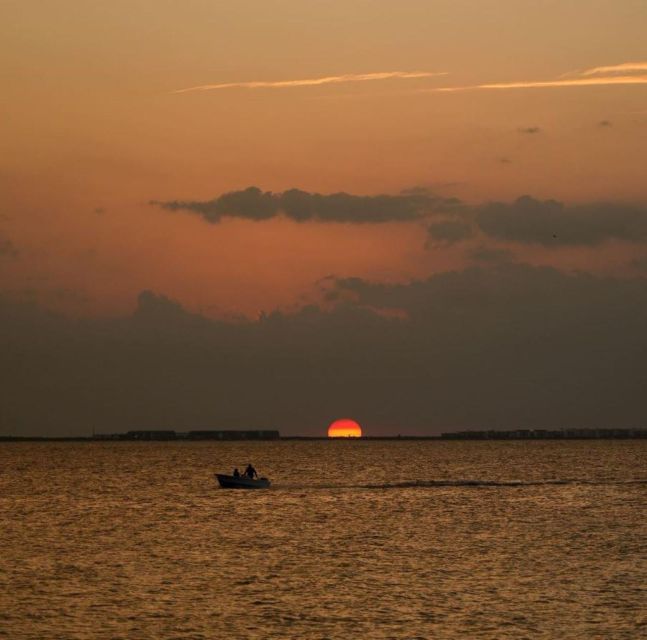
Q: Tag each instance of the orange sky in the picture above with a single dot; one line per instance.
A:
(92, 129)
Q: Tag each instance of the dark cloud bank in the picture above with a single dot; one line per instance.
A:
(525, 221)
(505, 345)
(301, 206)
(549, 222)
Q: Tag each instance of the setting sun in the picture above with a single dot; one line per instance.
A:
(344, 428)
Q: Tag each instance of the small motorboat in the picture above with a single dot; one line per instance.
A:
(241, 482)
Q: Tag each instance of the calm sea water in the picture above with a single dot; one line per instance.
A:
(369, 539)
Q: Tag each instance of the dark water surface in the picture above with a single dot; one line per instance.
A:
(369, 539)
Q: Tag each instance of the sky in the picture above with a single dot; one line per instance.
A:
(423, 215)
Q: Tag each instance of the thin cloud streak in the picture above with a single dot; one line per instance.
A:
(596, 76)
(313, 82)
(616, 68)
(525, 84)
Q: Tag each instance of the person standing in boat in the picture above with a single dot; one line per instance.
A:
(250, 472)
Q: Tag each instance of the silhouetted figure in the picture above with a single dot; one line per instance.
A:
(236, 473)
(250, 472)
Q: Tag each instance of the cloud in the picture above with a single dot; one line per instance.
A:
(575, 82)
(616, 68)
(449, 231)
(314, 82)
(301, 206)
(498, 345)
(526, 220)
(628, 73)
(551, 223)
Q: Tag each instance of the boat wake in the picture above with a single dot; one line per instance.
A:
(433, 484)
(497, 483)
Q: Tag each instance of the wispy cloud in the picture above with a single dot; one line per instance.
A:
(575, 82)
(313, 82)
(617, 68)
(627, 73)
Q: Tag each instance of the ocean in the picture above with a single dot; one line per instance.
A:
(369, 539)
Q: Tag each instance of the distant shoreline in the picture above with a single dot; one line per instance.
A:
(94, 439)
(282, 438)
(273, 436)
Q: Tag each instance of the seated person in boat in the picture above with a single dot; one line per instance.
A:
(250, 472)
(236, 473)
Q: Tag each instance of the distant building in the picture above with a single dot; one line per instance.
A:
(257, 434)
(151, 435)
